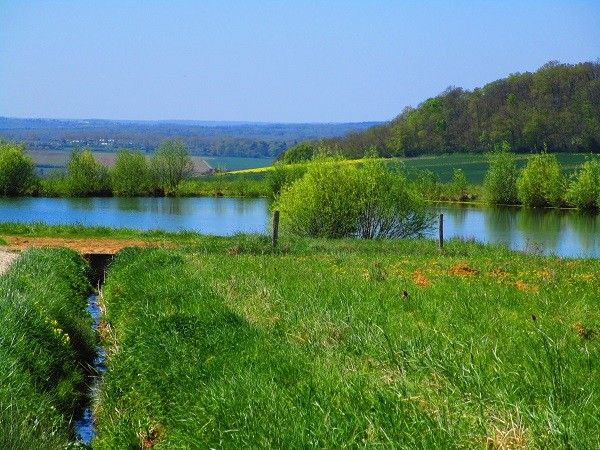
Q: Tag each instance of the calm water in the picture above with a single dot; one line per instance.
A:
(565, 233)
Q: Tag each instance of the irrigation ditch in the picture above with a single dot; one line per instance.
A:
(84, 425)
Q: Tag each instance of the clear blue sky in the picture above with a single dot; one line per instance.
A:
(284, 61)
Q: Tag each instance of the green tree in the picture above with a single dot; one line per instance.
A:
(540, 183)
(304, 151)
(584, 189)
(459, 185)
(388, 206)
(500, 184)
(336, 200)
(17, 176)
(130, 175)
(282, 175)
(85, 176)
(170, 165)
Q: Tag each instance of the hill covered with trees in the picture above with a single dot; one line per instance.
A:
(557, 107)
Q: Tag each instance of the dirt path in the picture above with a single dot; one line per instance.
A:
(6, 259)
(81, 245)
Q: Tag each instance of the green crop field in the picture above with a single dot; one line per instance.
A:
(474, 165)
(230, 163)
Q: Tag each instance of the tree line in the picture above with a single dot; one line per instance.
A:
(557, 108)
(131, 175)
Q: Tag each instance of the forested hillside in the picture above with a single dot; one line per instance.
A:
(557, 106)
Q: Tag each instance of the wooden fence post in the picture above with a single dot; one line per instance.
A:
(441, 232)
(275, 228)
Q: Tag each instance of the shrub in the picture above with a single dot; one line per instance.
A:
(130, 175)
(584, 190)
(282, 175)
(339, 200)
(540, 183)
(17, 175)
(459, 185)
(427, 183)
(170, 165)
(387, 205)
(85, 176)
(500, 184)
(304, 151)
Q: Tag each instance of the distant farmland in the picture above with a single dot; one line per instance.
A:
(49, 160)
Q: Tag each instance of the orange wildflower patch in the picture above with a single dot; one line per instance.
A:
(522, 286)
(545, 274)
(499, 273)
(462, 269)
(419, 278)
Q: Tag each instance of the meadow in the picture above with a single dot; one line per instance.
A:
(227, 343)
(46, 348)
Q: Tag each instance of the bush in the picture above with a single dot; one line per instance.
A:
(170, 165)
(282, 175)
(304, 151)
(336, 200)
(17, 176)
(458, 186)
(540, 183)
(85, 176)
(130, 175)
(500, 184)
(584, 190)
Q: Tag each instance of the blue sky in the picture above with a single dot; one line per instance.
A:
(276, 61)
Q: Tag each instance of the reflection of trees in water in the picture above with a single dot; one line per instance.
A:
(218, 205)
(586, 227)
(500, 223)
(174, 206)
(457, 214)
(540, 226)
(84, 203)
(128, 203)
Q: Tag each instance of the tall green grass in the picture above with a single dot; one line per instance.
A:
(46, 344)
(351, 344)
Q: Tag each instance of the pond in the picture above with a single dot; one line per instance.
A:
(560, 232)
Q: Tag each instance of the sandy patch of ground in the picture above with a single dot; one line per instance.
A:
(81, 245)
(6, 259)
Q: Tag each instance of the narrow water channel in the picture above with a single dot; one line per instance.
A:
(84, 426)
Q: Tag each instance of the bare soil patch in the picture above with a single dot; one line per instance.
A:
(81, 245)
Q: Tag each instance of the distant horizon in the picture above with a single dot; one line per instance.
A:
(189, 121)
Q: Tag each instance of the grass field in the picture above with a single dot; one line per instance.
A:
(45, 344)
(230, 163)
(474, 165)
(333, 344)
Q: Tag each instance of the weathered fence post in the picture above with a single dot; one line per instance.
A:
(275, 227)
(441, 232)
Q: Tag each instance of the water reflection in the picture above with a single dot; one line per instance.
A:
(128, 203)
(565, 233)
(560, 232)
(540, 227)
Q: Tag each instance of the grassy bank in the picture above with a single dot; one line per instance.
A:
(342, 343)
(45, 343)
